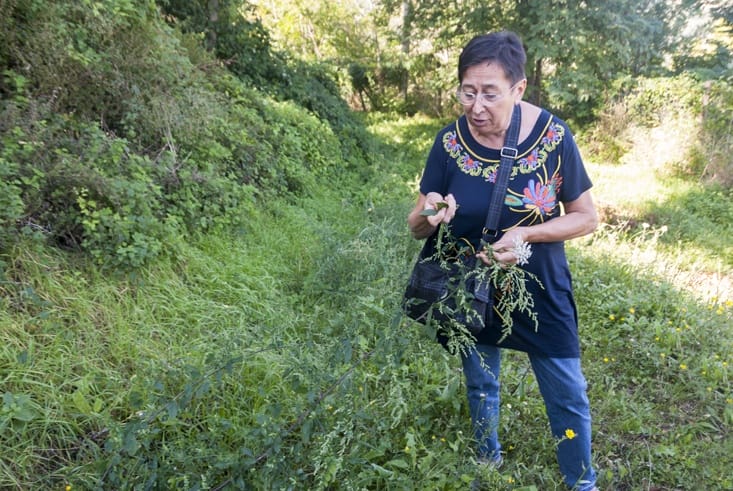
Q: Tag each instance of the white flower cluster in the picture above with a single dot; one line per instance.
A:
(522, 250)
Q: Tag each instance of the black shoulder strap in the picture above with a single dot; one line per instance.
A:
(508, 155)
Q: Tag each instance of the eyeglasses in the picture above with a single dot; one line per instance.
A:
(488, 98)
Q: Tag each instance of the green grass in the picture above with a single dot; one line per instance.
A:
(275, 359)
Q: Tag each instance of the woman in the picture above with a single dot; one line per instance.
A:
(548, 172)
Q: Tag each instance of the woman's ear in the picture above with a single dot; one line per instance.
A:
(520, 88)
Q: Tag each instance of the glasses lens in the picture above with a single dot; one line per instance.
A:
(466, 97)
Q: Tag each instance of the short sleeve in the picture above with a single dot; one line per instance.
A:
(574, 175)
(434, 174)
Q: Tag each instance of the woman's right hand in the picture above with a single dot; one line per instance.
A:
(445, 214)
(421, 225)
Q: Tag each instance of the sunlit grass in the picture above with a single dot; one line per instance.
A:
(662, 221)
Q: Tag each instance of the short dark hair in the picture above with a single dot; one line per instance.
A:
(504, 48)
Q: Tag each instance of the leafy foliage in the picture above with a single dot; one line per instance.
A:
(505, 286)
(401, 55)
(116, 148)
(277, 358)
(717, 131)
(696, 112)
(245, 48)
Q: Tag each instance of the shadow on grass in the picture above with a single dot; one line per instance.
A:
(699, 218)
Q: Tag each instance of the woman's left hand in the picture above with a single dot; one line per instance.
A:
(504, 248)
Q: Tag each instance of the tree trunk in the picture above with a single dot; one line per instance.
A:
(213, 21)
(535, 84)
(406, 13)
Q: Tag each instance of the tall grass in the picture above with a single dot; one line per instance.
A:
(276, 359)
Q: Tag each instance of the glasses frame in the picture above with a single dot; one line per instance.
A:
(482, 96)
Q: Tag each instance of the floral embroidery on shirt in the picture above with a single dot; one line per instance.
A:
(450, 142)
(553, 136)
(525, 165)
(531, 161)
(469, 165)
(539, 197)
(537, 200)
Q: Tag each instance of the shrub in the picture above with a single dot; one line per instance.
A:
(115, 143)
(74, 184)
(717, 131)
(678, 122)
(654, 100)
(244, 45)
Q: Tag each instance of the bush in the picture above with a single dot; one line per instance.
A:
(678, 122)
(717, 131)
(244, 46)
(115, 143)
(654, 100)
(72, 183)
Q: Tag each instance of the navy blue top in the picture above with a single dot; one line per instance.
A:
(547, 171)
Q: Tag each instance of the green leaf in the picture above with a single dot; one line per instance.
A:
(130, 445)
(381, 470)
(81, 402)
(399, 463)
(438, 206)
(172, 408)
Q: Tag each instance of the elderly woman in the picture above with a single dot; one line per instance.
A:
(547, 172)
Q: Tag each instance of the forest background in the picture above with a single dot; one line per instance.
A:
(203, 243)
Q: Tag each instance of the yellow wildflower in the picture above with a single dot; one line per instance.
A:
(632, 310)
(570, 434)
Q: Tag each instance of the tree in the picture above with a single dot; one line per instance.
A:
(231, 32)
(708, 48)
(402, 54)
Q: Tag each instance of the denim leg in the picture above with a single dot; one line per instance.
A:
(481, 367)
(563, 388)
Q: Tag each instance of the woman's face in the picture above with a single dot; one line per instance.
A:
(491, 112)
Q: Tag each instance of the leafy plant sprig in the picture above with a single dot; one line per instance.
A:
(508, 283)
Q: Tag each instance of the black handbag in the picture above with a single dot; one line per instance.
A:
(453, 291)
(448, 292)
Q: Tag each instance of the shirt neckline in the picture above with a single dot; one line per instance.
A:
(486, 154)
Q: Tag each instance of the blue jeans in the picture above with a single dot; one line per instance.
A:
(563, 389)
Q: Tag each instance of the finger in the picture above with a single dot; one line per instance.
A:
(431, 198)
(437, 218)
(452, 206)
(448, 216)
(482, 256)
(507, 257)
